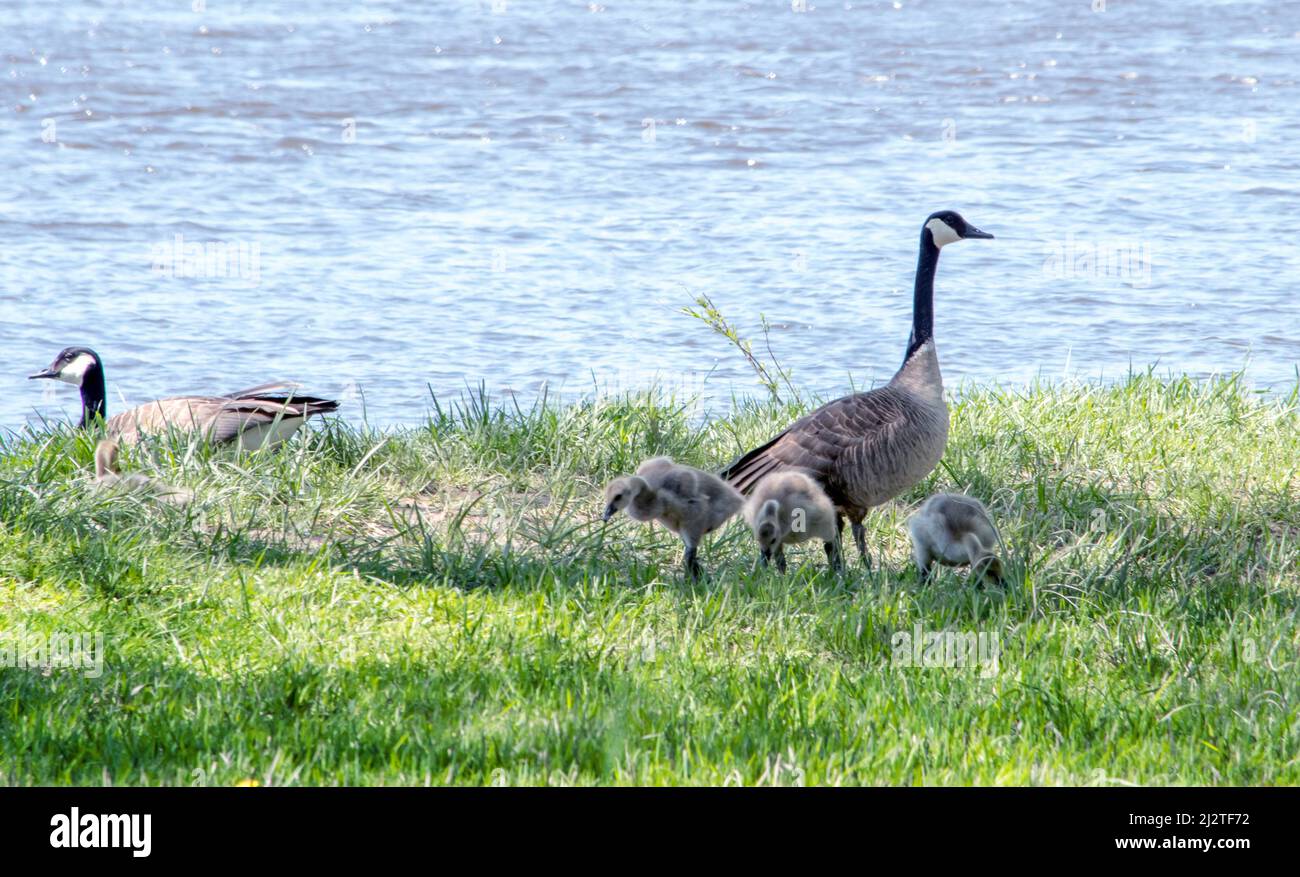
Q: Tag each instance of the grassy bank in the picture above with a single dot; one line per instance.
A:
(442, 605)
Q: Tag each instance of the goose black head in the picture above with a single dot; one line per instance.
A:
(947, 226)
(71, 366)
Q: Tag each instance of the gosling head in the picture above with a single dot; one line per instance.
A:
(621, 492)
(947, 226)
(105, 458)
(71, 366)
(766, 530)
(990, 570)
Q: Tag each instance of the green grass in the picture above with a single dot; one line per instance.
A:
(442, 605)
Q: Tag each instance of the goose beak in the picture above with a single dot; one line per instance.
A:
(47, 373)
(610, 511)
(973, 232)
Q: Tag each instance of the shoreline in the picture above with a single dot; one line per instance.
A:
(354, 407)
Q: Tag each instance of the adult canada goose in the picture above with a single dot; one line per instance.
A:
(263, 415)
(869, 447)
(687, 501)
(787, 508)
(954, 529)
(108, 476)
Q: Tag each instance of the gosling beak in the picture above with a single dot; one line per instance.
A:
(973, 232)
(48, 373)
(610, 511)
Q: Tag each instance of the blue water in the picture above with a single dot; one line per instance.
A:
(526, 193)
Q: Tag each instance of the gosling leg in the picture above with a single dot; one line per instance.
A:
(689, 560)
(921, 555)
(833, 557)
(780, 559)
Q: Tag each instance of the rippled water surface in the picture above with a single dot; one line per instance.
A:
(526, 193)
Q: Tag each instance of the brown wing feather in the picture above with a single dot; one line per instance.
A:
(218, 418)
(183, 413)
(825, 443)
(300, 405)
(234, 417)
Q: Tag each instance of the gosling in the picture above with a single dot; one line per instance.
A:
(954, 530)
(787, 508)
(689, 502)
(109, 477)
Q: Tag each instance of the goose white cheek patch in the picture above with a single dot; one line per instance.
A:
(73, 372)
(941, 232)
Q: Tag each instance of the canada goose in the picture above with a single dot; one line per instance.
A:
(689, 502)
(867, 448)
(108, 476)
(789, 507)
(262, 415)
(954, 529)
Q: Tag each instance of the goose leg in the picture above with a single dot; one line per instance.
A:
(860, 537)
(780, 559)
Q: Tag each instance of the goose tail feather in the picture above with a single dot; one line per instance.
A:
(745, 472)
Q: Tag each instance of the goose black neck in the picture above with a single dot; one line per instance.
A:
(923, 295)
(93, 403)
